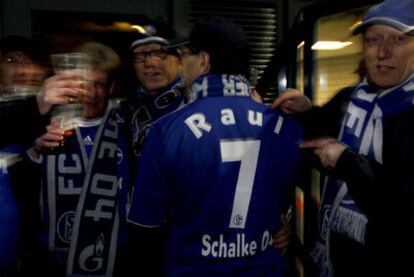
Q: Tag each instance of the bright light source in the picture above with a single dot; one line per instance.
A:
(301, 44)
(139, 28)
(330, 45)
(353, 27)
(323, 83)
(121, 26)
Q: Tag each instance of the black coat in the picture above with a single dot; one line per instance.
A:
(384, 192)
(20, 122)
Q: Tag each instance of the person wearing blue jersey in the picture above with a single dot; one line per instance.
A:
(214, 174)
(86, 178)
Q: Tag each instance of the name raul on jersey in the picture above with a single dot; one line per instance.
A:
(198, 123)
(240, 247)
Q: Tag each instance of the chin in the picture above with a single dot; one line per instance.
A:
(90, 114)
(155, 85)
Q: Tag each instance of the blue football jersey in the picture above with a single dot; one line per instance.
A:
(217, 172)
(9, 207)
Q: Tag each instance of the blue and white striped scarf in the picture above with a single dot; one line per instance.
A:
(362, 130)
(148, 108)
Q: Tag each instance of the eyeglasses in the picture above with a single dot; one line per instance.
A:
(160, 54)
(97, 85)
(185, 51)
(100, 85)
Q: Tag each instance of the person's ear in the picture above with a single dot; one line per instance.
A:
(204, 62)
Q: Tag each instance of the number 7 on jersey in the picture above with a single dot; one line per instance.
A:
(247, 152)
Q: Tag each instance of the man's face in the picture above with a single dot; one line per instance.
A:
(155, 67)
(17, 68)
(389, 55)
(94, 103)
(190, 63)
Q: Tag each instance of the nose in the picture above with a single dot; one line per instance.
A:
(88, 88)
(150, 60)
(23, 69)
(26, 74)
(384, 50)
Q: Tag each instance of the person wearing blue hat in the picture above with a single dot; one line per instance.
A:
(393, 13)
(366, 213)
(157, 70)
(215, 173)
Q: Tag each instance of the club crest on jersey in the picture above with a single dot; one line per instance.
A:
(238, 220)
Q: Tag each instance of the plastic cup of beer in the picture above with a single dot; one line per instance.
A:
(76, 62)
(67, 117)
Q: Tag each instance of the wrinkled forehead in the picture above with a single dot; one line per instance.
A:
(98, 74)
(382, 28)
(148, 47)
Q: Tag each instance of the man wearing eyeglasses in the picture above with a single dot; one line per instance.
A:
(159, 85)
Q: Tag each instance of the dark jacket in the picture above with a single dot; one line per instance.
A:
(383, 192)
(20, 122)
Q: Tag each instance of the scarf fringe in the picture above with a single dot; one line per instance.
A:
(318, 256)
(318, 253)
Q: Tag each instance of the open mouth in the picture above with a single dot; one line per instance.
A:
(151, 74)
(384, 67)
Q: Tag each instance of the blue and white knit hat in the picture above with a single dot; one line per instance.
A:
(156, 32)
(398, 14)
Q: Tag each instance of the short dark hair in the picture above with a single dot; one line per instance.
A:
(225, 42)
(17, 43)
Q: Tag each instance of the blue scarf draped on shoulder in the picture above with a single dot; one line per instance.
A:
(362, 130)
(148, 108)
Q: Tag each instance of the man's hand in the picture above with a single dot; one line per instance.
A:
(327, 149)
(60, 89)
(292, 101)
(282, 237)
(51, 139)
